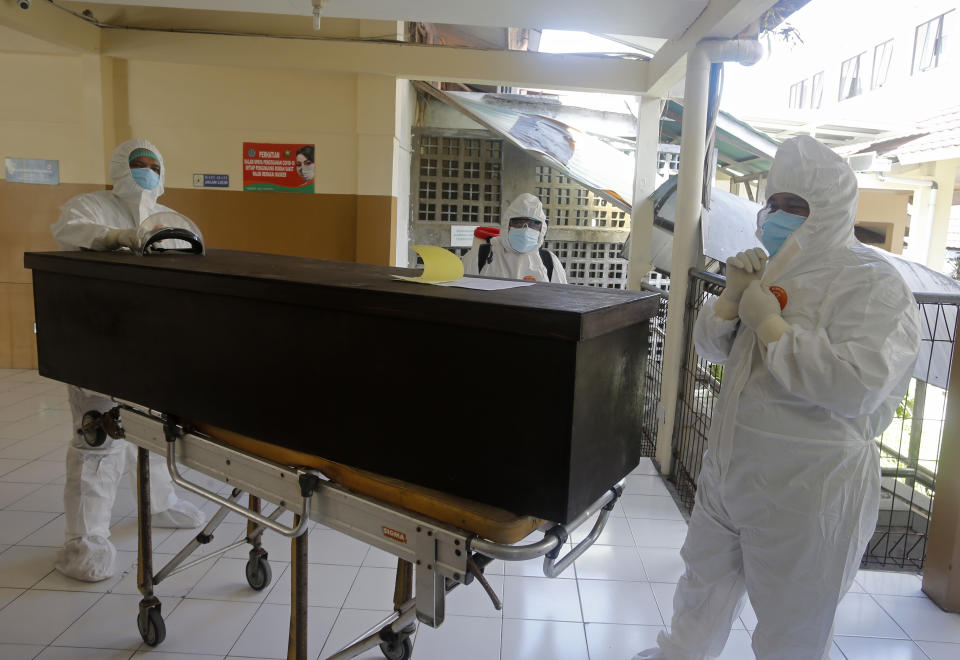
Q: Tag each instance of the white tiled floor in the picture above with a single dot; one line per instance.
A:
(610, 605)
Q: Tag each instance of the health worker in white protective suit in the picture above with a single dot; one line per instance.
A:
(516, 253)
(788, 493)
(108, 220)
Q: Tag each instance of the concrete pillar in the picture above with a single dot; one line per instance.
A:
(97, 110)
(376, 240)
(919, 226)
(941, 571)
(945, 174)
(644, 183)
(686, 242)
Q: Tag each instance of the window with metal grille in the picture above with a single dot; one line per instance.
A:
(471, 191)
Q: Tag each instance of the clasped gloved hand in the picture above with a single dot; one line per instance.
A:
(742, 269)
(760, 310)
(118, 238)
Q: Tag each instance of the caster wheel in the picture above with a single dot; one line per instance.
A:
(258, 573)
(91, 429)
(152, 629)
(398, 649)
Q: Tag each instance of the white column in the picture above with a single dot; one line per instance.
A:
(945, 174)
(685, 239)
(644, 183)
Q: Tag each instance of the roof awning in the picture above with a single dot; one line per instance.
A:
(590, 159)
(593, 163)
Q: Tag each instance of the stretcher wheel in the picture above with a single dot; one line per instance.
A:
(152, 629)
(91, 429)
(258, 573)
(399, 649)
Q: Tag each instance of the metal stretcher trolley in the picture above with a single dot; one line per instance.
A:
(305, 384)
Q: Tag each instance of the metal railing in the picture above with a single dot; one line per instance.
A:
(652, 408)
(909, 447)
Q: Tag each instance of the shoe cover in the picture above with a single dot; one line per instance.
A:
(182, 515)
(87, 558)
(166, 507)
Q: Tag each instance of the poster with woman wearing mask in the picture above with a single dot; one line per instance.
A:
(278, 167)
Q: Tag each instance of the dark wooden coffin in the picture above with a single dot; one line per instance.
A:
(527, 399)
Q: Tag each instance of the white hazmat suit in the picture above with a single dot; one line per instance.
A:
(788, 493)
(508, 263)
(90, 221)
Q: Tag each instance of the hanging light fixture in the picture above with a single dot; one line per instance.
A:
(317, 13)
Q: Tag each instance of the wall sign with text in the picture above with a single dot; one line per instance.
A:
(278, 167)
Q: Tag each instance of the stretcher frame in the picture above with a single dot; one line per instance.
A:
(445, 556)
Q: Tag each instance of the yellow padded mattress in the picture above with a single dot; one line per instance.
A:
(486, 521)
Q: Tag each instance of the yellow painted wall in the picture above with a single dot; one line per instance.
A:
(886, 208)
(40, 116)
(199, 117)
(75, 108)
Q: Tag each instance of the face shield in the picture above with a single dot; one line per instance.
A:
(168, 231)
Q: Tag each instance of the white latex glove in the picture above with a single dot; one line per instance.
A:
(742, 269)
(760, 311)
(118, 238)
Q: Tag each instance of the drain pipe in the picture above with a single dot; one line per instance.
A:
(686, 243)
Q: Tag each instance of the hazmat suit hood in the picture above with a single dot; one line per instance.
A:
(809, 169)
(142, 203)
(527, 206)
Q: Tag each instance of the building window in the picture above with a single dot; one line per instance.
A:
(471, 191)
(798, 95)
(881, 64)
(816, 91)
(851, 72)
(931, 38)
(471, 170)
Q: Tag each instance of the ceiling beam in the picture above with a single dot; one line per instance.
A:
(410, 61)
(651, 18)
(722, 19)
(49, 24)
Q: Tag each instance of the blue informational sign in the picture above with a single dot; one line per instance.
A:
(32, 170)
(211, 180)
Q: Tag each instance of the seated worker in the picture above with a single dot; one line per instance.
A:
(108, 220)
(516, 253)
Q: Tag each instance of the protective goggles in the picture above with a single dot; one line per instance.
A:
(525, 221)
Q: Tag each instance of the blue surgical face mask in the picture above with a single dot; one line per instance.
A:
(777, 227)
(523, 240)
(145, 177)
